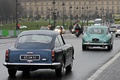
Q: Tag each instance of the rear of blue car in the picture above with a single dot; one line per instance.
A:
(32, 59)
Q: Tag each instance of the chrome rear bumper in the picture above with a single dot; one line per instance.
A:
(32, 65)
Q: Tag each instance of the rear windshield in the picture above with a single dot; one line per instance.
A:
(112, 26)
(118, 27)
(97, 22)
(96, 31)
(33, 41)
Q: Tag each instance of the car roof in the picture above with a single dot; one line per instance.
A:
(113, 25)
(43, 32)
(97, 26)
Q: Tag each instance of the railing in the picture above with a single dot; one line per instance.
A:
(9, 33)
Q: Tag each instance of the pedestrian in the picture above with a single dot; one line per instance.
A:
(60, 29)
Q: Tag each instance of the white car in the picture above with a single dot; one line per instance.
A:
(22, 26)
(117, 33)
(112, 28)
(98, 22)
(59, 30)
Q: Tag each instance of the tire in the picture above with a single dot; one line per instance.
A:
(69, 67)
(12, 72)
(59, 71)
(116, 35)
(77, 35)
(109, 47)
(83, 47)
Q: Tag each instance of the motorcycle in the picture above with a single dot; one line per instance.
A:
(77, 33)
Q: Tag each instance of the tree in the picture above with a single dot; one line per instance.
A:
(8, 10)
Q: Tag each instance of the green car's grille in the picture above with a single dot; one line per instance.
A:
(95, 40)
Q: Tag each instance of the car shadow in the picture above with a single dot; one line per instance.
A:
(40, 75)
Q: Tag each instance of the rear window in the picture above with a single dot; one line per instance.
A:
(118, 27)
(96, 31)
(33, 42)
(112, 26)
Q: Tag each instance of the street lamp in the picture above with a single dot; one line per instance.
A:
(77, 13)
(82, 16)
(54, 13)
(87, 16)
(70, 15)
(63, 12)
(49, 15)
(17, 15)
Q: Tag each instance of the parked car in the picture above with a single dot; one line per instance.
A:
(97, 36)
(44, 28)
(113, 28)
(58, 29)
(39, 49)
(23, 26)
(117, 33)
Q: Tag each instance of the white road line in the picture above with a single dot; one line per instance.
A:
(2, 44)
(100, 70)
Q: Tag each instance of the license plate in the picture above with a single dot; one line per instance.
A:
(30, 57)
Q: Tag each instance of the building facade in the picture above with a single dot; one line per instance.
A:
(70, 7)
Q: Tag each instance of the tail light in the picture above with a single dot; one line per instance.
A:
(7, 55)
(77, 30)
(53, 55)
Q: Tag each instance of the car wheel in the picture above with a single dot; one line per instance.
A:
(59, 71)
(69, 67)
(12, 72)
(84, 47)
(109, 47)
(116, 35)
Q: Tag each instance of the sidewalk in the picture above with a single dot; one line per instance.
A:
(109, 71)
(112, 72)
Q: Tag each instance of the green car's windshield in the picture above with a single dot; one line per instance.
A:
(96, 31)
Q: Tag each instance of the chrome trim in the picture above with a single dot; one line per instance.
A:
(31, 64)
(96, 43)
(29, 52)
(29, 59)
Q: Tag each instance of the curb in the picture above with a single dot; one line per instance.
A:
(100, 70)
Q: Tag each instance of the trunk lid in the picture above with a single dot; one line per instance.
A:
(30, 56)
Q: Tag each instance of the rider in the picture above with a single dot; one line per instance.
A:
(77, 27)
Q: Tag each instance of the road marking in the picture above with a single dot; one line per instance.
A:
(2, 44)
(100, 70)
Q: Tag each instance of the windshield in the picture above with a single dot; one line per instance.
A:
(33, 41)
(97, 22)
(96, 31)
(112, 26)
(118, 27)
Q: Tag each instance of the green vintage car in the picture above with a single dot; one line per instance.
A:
(97, 36)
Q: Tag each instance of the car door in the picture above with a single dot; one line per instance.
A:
(67, 51)
(58, 50)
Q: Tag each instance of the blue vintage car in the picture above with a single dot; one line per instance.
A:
(39, 49)
(97, 36)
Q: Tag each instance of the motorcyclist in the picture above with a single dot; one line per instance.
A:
(77, 27)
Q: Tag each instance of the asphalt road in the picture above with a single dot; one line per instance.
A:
(85, 64)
